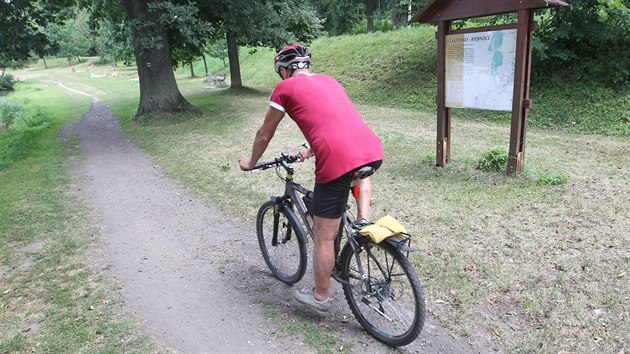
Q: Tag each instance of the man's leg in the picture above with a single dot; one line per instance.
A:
(364, 199)
(324, 255)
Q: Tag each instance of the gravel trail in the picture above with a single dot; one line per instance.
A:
(193, 275)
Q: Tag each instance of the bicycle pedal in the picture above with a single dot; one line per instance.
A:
(361, 223)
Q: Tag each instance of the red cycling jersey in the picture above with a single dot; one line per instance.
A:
(338, 136)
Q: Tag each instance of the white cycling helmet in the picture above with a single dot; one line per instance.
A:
(292, 57)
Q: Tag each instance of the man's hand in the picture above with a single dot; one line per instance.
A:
(245, 163)
(306, 153)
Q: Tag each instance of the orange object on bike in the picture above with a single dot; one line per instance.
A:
(355, 191)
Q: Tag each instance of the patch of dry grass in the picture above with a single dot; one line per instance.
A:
(513, 265)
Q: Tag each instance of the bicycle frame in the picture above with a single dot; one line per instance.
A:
(291, 199)
(366, 277)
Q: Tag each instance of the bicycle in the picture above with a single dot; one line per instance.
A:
(379, 283)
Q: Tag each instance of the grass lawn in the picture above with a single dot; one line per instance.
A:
(51, 299)
(513, 264)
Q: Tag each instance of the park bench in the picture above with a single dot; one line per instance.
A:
(219, 79)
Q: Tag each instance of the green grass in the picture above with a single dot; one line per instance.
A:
(490, 245)
(50, 299)
(398, 69)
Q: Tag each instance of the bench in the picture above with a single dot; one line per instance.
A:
(219, 79)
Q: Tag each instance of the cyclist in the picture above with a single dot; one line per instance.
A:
(341, 143)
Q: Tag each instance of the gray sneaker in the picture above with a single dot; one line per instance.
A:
(305, 297)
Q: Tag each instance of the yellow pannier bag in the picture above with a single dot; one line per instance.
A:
(385, 227)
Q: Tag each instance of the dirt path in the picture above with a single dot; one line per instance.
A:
(194, 276)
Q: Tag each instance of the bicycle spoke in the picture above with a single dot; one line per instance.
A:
(282, 248)
(383, 297)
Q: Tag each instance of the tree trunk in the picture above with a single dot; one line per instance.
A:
(45, 64)
(369, 13)
(205, 65)
(235, 68)
(192, 70)
(158, 89)
(396, 18)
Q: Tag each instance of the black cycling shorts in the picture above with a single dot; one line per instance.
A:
(330, 199)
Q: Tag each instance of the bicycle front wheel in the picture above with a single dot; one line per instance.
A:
(282, 247)
(387, 298)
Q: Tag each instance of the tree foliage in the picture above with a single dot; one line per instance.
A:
(23, 33)
(260, 23)
(592, 39)
(114, 41)
(73, 37)
(263, 23)
(187, 33)
(339, 16)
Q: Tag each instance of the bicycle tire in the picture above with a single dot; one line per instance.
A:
(390, 303)
(287, 258)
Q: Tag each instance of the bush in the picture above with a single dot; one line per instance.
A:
(552, 179)
(10, 111)
(17, 142)
(380, 25)
(589, 40)
(546, 178)
(494, 160)
(6, 82)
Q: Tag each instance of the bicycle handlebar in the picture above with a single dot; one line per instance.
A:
(284, 159)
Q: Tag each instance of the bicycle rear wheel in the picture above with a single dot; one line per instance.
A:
(282, 247)
(388, 302)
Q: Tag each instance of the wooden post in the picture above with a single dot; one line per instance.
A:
(521, 101)
(443, 149)
(442, 13)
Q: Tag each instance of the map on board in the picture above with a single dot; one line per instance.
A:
(480, 70)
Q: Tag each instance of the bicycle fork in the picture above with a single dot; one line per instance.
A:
(277, 210)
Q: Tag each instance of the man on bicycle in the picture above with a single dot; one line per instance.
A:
(341, 143)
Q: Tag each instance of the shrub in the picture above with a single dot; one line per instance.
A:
(6, 82)
(18, 141)
(10, 111)
(549, 179)
(555, 179)
(494, 160)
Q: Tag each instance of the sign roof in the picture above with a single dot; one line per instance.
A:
(447, 10)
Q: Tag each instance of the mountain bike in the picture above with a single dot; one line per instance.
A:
(379, 283)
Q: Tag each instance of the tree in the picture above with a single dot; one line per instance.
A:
(158, 89)
(23, 25)
(154, 25)
(73, 38)
(185, 29)
(114, 41)
(260, 23)
(339, 16)
(403, 10)
(591, 38)
(369, 15)
(218, 49)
